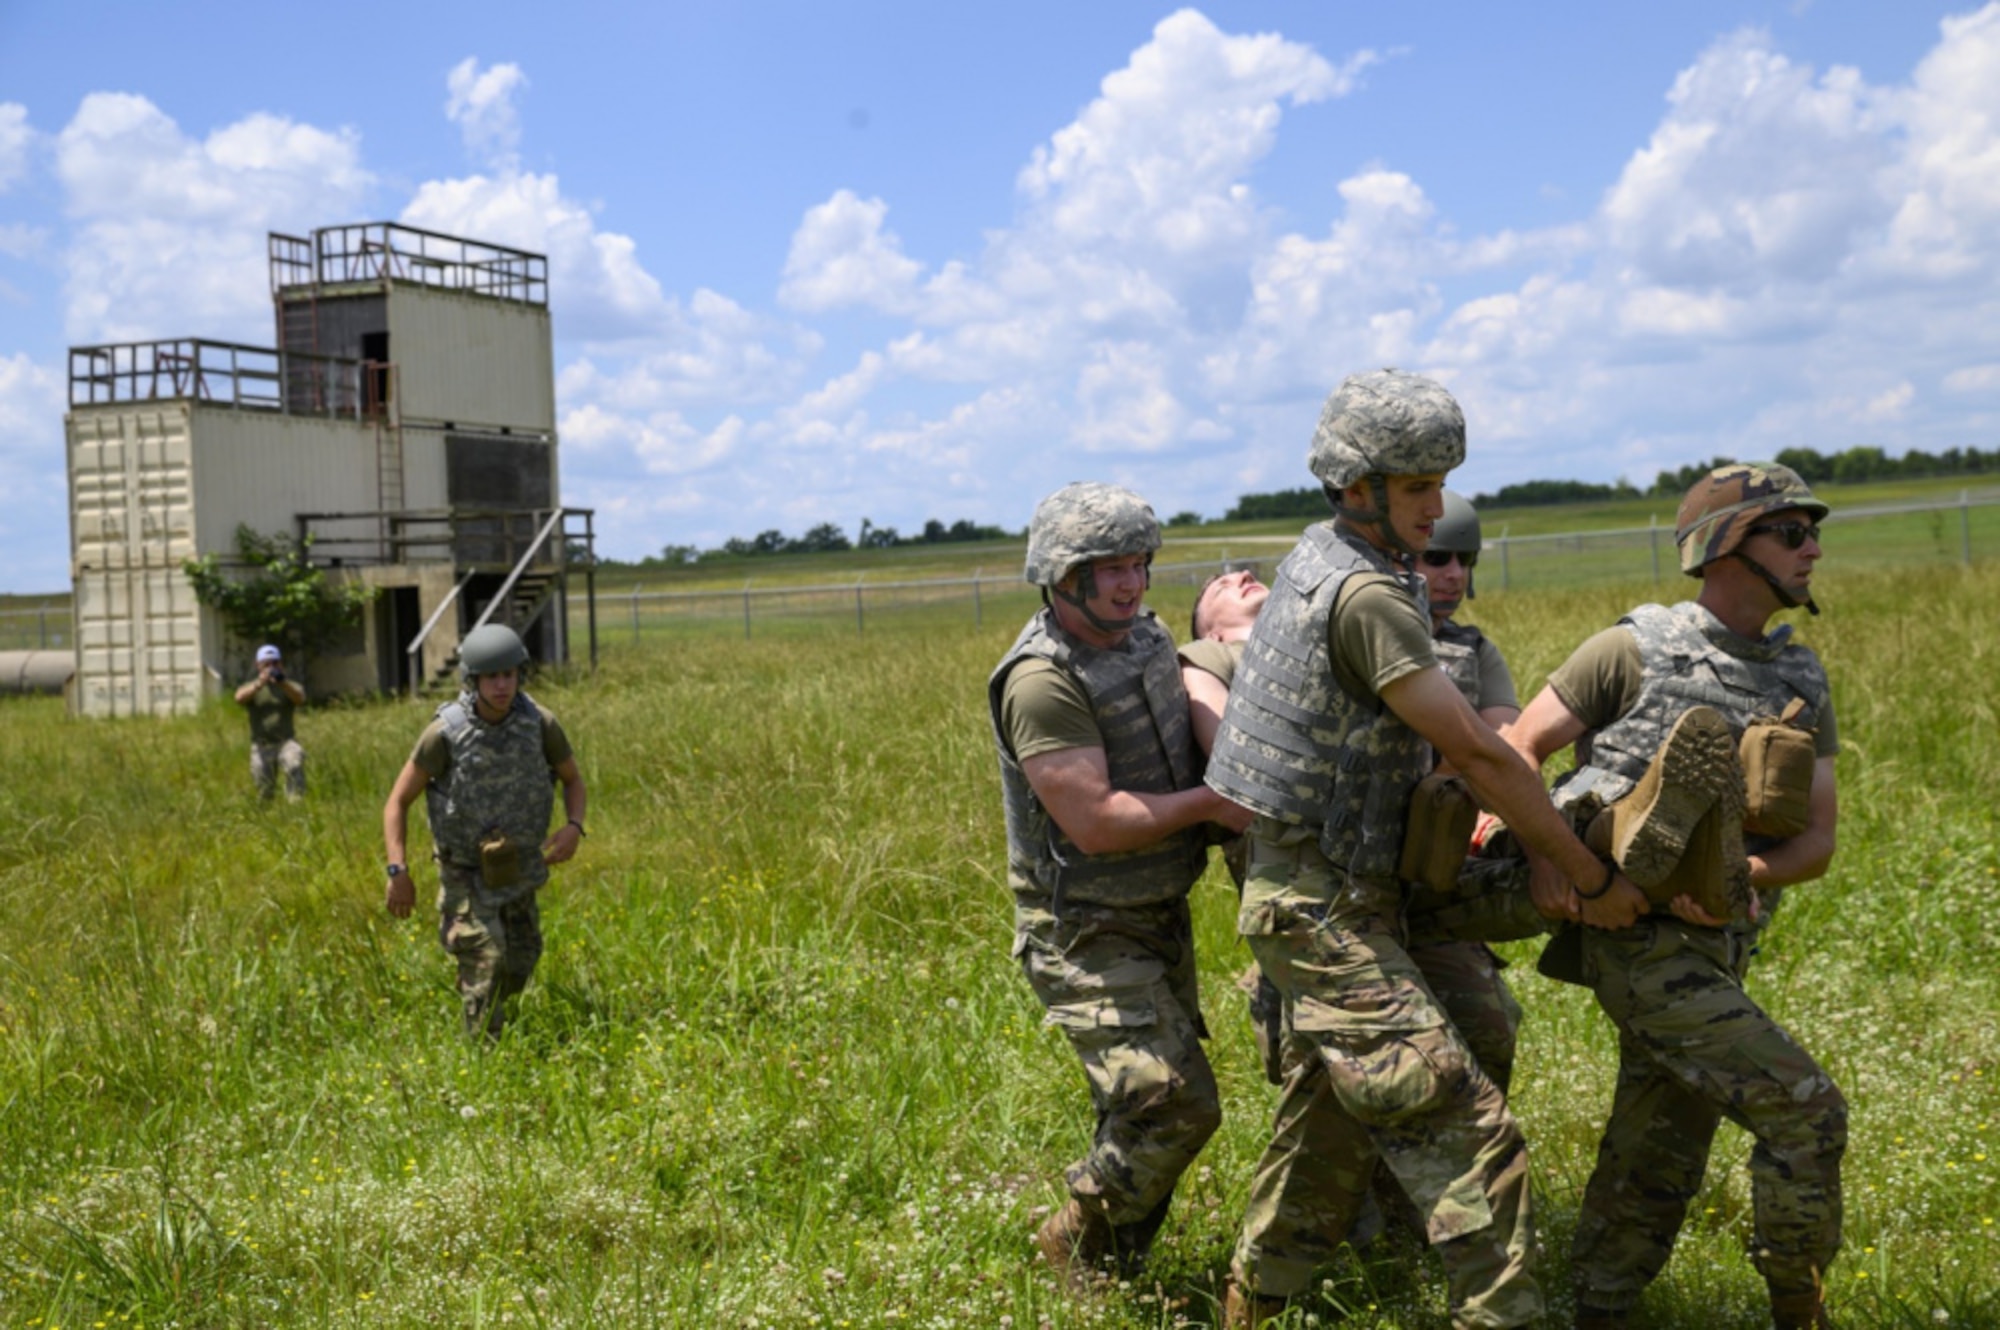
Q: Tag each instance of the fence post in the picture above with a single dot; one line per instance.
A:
(859, 626)
(977, 617)
(746, 609)
(43, 617)
(635, 614)
(1965, 526)
(1505, 579)
(1653, 540)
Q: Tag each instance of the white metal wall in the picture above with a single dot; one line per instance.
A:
(476, 361)
(259, 469)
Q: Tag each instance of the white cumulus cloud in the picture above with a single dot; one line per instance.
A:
(481, 104)
(167, 235)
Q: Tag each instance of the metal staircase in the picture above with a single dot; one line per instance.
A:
(528, 591)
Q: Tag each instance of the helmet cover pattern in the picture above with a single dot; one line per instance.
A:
(1718, 510)
(1386, 422)
(1084, 522)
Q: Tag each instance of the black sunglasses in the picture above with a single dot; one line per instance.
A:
(1443, 558)
(1794, 534)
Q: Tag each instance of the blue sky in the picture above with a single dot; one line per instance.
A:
(817, 262)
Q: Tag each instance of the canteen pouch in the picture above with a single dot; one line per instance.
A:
(1778, 761)
(499, 861)
(1438, 832)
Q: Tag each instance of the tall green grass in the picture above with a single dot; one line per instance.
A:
(777, 1069)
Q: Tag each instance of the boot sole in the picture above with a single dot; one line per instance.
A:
(1698, 771)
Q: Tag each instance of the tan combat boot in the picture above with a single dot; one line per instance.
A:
(1662, 835)
(1247, 1311)
(1714, 871)
(1076, 1241)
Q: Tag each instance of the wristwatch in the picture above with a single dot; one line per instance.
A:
(397, 870)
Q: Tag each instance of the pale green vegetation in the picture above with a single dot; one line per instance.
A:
(777, 1069)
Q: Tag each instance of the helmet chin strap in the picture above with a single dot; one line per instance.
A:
(1378, 517)
(1446, 607)
(1785, 597)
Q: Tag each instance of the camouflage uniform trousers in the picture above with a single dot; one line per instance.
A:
(267, 760)
(1694, 1047)
(1373, 1067)
(1121, 984)
(496, 943)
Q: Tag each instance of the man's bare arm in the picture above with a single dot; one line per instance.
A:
(1074, 784)
(400, 895)
(1207, 696)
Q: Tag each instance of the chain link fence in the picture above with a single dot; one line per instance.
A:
(1950, 531)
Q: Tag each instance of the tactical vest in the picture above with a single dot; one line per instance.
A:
(499, 780)
(1142, 713)
(1690, 659)
(1297, 747)
(1457, 648)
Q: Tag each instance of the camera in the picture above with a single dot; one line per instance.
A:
(277, 676)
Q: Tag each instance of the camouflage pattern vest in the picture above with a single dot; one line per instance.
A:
(1691, 659)
(1294, 745)
(1142, 713)
(1457, 648)
(499, 779)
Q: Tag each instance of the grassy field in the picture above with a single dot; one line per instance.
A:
(777, 1070)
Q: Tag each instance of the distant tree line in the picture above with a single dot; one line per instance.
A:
(1851, 465)
(828, 538)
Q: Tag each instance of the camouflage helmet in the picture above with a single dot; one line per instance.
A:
(490, 650)
(1720, 508)
(1386, 423)
(1084, 522)
(1457, 532)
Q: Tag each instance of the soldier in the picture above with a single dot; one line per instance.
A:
(270, 698)
(1104, 839)
(1464, 975)
(1659, 708)
(486, 766)
(1331, 723)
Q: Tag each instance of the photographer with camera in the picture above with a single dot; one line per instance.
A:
(270, 698)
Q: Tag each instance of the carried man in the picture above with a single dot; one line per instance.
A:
(1105, 837)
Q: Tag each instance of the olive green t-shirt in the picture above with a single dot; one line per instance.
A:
(1043, 709)
(270, 715)
(1496, 681)
(433, 751)
(1601, 680)
(1377, 635)
(1212, 657)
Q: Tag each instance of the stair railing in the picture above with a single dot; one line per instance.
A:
(415, 650)
(521, 566)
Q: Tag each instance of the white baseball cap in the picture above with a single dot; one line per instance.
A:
(265, 653)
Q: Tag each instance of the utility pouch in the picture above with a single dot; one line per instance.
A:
(1778, 761)
(499, 861)
(1438, 832)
